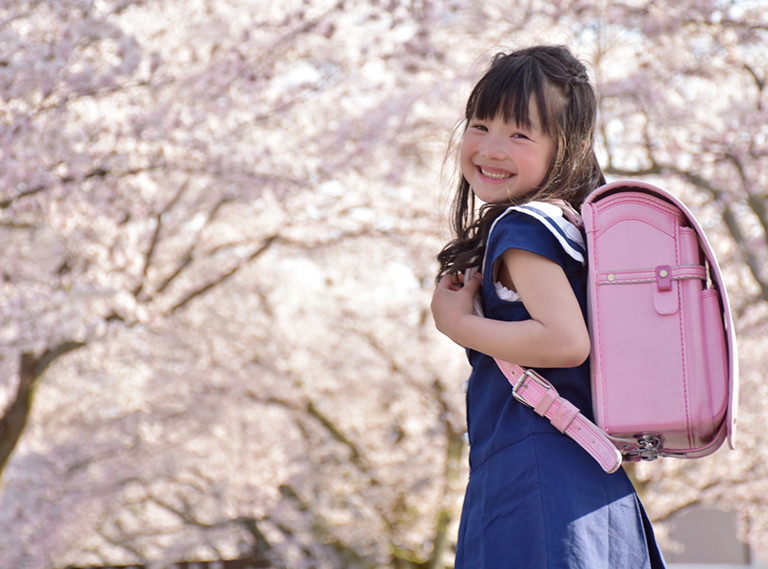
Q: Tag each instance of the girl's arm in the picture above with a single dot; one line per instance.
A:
(555, 336)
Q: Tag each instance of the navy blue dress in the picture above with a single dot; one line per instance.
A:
(535, 499)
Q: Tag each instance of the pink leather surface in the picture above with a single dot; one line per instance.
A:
(664, 349)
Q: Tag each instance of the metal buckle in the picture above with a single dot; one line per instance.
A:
(520, 383)
(648, 448)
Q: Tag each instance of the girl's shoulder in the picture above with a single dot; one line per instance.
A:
(536, 222)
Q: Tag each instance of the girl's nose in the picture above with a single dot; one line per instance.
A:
(493, 148)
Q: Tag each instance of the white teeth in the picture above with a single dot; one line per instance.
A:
(500, 176)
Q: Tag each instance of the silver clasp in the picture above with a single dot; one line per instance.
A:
(521, 381)
(648, 448)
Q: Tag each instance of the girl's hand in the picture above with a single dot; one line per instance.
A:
(452, 302)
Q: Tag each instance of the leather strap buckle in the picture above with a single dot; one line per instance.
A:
(522, 383)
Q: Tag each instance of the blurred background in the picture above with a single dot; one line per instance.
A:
(218, 222)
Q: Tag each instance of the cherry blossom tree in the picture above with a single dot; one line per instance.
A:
(219, 222)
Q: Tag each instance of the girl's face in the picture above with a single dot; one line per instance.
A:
(504, 160)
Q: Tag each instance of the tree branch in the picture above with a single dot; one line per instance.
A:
(156, 235)
(189, 257)
(311, 409)
(6, 203)
(266, 244)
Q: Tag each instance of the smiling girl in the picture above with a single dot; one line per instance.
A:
(535, 499)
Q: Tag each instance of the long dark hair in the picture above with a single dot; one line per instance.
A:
(567, 108)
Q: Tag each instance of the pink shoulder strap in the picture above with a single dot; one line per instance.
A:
(529, 388)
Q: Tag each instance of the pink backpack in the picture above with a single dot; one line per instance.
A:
(664, 365)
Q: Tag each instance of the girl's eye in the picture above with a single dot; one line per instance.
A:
(520, 135)
(477, 126)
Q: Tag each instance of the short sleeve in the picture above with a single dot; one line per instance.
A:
(539, 230)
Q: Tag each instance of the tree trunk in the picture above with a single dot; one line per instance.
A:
(14, 421)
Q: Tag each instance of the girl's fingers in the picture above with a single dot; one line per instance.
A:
(456, 282)
(451, 282)
(473, 284)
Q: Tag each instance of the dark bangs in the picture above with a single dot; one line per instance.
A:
(506, 90)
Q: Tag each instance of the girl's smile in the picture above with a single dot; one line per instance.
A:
(490, 173)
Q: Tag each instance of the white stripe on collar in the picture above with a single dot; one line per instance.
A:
(567, 233)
